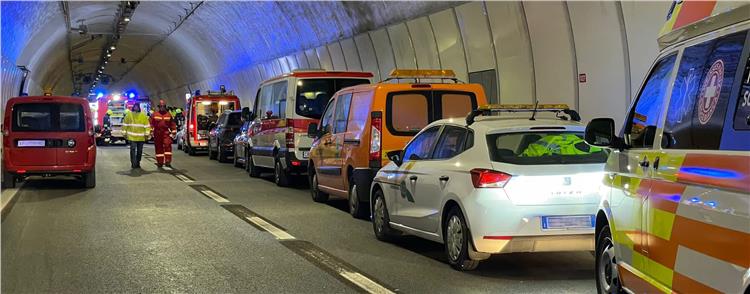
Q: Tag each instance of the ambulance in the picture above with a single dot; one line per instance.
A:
(674, 215)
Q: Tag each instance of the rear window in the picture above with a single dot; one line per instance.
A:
(208, 111)
(408, 112)
(531, 148)
(313, 94)
(44, 117)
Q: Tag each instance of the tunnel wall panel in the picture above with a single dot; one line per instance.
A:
(552, 46)
(351, 55)
(600, 55)
(312, 58)
(472, 24)
(324, 57)
(423, 41)
(367, 55)
(449, 43)
(402, 46)
(337, 56)
(513, 51)
(383, 51)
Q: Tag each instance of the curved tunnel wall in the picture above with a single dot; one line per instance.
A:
(536, 49)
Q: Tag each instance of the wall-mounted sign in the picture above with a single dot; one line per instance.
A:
(582, 78)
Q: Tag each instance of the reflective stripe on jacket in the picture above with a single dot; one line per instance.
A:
(136, 126)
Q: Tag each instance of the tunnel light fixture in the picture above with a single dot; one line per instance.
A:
(127, 19)
(109, 55)
(112, 47)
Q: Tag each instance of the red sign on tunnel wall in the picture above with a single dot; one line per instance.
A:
(582, 78)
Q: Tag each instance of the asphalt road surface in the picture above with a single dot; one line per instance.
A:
(206, 227)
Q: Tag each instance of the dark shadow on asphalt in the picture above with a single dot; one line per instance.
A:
(63, 187)
(136, 172)
(538, 266)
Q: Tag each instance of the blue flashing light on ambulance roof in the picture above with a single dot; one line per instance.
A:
(99, 95)
(131, 95)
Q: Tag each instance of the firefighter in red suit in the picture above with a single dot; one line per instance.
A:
(164, 128)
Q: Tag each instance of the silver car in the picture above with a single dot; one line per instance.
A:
(497, 185)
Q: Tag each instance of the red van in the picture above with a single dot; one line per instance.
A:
(48, 136)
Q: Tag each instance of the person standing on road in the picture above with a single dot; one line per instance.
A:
(164, 129)
(136, 128)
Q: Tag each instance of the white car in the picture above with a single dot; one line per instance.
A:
(497, 185)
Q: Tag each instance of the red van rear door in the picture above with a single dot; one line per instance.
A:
(72, 131)
(33, 141)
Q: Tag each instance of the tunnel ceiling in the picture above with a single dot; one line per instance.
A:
(195, 40)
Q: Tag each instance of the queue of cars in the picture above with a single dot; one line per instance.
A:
(430, 159)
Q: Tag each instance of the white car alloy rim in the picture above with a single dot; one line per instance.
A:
(379, 214)
(454, 238)
(607, 268)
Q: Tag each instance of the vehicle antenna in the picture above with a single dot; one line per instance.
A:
(533, 114)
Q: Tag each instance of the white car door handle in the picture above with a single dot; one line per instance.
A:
(413, 178)
(444, 178)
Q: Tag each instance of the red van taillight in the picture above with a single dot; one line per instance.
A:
(487, 178)
(376, 133)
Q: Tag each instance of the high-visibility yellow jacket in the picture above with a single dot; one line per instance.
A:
(563, 144)
(136, 126)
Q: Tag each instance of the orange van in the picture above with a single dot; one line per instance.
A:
(362, 123)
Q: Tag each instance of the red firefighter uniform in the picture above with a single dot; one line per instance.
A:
(164, 128)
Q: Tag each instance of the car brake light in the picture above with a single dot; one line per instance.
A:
(296, 163)
(487, 178)
(376, 127)
(21, 171)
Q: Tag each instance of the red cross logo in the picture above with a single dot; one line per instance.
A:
(710, 91)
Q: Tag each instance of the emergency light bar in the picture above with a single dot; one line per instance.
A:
(558, 109)
(416, 74)
(219, 93)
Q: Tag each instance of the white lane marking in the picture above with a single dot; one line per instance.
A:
(276, 232)
(214, 196)
(183, 178)
(168, 168)
(364, 282)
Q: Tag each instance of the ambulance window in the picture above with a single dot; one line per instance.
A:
(742, 114)
(700, 97)
(279, 99)
(342, 113)
(642, 121)
(265, 103)
(407, 112)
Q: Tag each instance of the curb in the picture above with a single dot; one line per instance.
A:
(9, 205)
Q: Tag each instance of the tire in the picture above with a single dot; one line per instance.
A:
(607, 274)
(252, 170)
(9, 180)
(211, 154)
(89, 179)
(220, 155)
(381, 220)
(317, 195)
(234, 158)
(456, 239)
(356, 209)
(279, 175)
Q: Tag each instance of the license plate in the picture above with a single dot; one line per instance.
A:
(568, 222)
(32, 143)
(305, 154)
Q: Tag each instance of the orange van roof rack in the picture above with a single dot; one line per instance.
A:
(417, 74)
